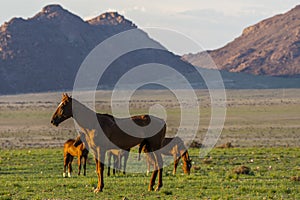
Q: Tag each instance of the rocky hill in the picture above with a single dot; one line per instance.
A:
(44, 52)
(270, 47)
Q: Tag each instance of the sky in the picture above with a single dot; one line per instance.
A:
(211, 24)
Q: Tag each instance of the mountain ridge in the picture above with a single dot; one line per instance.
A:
(44, 52)
(270, 47)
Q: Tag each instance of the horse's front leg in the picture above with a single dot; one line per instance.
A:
(160, 170)
(125, 161)
(152, 159)
(100, 169)
(108, 162)
(148, 161)
(152, 180)
(79, 164)
(176, 161)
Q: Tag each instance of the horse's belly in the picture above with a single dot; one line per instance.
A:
(125, 142)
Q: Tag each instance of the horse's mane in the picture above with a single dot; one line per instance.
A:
(70, 140)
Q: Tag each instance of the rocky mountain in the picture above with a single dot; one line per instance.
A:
(43, 53)
(270, 47)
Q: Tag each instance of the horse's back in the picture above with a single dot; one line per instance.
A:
(69, 148)
(125, 133)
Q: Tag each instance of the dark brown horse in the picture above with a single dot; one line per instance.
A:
(103, 133)
(72, 148)
(118, 155)
(171, 147)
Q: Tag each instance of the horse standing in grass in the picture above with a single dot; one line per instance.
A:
(171, 147)
(74, 148)
(102, 133)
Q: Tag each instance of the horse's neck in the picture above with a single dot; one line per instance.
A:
(185, 156)
(84, 116)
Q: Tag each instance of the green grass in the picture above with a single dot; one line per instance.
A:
(37, 174)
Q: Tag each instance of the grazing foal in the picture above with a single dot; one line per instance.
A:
(171, 147)
(74, 148)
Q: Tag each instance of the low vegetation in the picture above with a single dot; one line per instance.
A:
(37, 174)
(262, 128)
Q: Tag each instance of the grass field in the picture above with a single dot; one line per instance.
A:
(37, 174)
(262, 125)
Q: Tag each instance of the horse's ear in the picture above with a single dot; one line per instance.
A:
(64, 95)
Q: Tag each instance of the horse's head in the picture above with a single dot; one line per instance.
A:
(187, 163)
(141, 120)
(63, 111)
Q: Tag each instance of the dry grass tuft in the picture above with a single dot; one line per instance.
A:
(295, 178)
(195, 144)
(242, 170)
(226, 145)
(207, 160)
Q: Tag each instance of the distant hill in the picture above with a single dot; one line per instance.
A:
(270, 47)
(43, 53)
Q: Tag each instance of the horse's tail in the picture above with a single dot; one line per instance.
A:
(143, 145)
(77, 141)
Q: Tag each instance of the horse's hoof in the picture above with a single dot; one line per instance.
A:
(64, 175)
(97, 190)
(158, 188)
(150, 189)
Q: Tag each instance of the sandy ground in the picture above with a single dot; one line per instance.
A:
(254, 117)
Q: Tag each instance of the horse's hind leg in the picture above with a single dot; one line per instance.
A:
(79, 164)
(70, 166)
(65, 165)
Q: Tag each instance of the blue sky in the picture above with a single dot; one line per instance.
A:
(212, 23)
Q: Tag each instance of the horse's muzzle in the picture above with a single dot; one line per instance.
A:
(54, 123)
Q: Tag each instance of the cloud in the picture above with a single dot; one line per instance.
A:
(139, 8)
